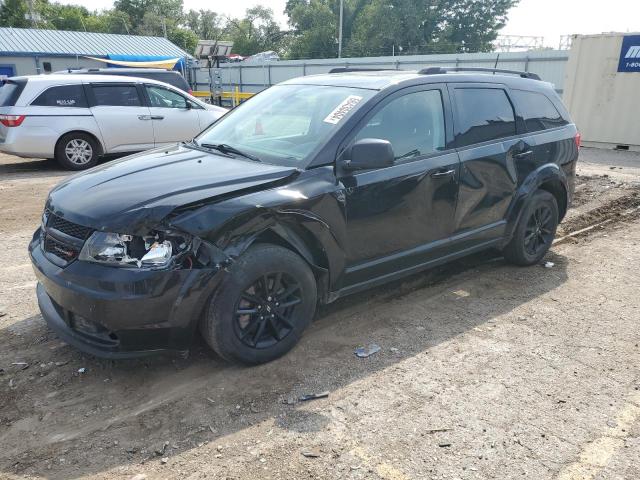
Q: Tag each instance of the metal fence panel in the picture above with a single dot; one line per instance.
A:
(549, 64)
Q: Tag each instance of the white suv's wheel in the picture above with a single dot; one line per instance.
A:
(77, 151)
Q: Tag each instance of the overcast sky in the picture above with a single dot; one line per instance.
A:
(547, 18)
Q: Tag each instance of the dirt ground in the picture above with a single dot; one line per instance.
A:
(486, 370)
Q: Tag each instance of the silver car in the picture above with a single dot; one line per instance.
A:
(78, 118)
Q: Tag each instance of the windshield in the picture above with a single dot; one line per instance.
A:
(286, 124)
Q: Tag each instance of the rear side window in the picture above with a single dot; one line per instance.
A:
(9, 92)
(484, 114)
(174, 79)
(116, 95)
(170, 78)
(537, 110)
(62, 96)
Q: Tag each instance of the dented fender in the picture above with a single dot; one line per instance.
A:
(294, 217)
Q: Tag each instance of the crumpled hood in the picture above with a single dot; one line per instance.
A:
(135, 193)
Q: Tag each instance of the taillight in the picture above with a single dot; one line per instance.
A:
(12, 120)
(578, 138)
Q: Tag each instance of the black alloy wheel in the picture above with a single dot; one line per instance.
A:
(540, 230)
(535, 231)
(265, 312)
(263, 303)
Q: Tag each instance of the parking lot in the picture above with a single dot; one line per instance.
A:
(486, 370)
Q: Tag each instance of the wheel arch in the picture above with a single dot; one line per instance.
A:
(303, 243)
(549, 177)
(85, 132)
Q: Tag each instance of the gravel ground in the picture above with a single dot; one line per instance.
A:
(486, 370)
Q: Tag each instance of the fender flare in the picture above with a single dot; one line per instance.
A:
(549, 177)
(278, 229)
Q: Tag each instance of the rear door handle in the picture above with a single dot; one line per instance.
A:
(157, 117)
(144, 117)
(443, 174)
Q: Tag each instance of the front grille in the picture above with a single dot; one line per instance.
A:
(67, 227)
(61, 250)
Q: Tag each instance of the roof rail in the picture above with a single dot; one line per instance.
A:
(357, 69)
(439, 70)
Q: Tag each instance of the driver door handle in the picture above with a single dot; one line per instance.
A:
(157, 117)
(144, 117)
(443, 174)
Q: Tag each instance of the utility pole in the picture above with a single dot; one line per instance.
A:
(340, 30)
(164, 27)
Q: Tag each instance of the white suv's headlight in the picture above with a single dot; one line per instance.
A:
(151, 251)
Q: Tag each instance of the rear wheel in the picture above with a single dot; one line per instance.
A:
(535, 231)
(262, 306)
(77, 151)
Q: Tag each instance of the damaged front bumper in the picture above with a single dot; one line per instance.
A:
(120, 312)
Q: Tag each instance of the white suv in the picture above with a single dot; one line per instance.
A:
(77, 118)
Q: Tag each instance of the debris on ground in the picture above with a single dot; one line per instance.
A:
(22, 365)
(461, 293)
(82, 370)
(164, 460)
(364, 352)
(444, 445)
(549, 265)
(313, 453)
(436, 430)
(313, 396)
(160, 451)
(62, 364)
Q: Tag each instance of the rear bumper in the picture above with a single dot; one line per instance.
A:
(25, 141)
(119, 312)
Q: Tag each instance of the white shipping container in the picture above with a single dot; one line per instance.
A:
(604, 103)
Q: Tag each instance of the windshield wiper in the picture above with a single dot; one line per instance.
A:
(225, 148)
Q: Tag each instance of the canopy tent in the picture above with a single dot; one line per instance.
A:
(142, 61)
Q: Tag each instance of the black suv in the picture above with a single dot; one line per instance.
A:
(314, 189)
(167, 76)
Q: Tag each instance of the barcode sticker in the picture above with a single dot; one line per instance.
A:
(341, 110)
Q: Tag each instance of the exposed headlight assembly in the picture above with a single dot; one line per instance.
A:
(156, 250)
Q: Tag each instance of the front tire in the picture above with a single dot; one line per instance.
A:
(535, 231)
(77, 151)
(261, 307)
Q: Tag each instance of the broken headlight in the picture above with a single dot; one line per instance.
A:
(155, 250)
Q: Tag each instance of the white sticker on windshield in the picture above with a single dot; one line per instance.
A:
(341, 110)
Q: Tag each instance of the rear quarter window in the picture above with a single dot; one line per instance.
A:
(484, 114)
(62, 96)
(10, 91)
(537, 110)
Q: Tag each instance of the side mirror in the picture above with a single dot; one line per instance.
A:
(368, 153)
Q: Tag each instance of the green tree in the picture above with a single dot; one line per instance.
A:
(13, 13)
(256, 32)
(314, 29)
(146, 16)
(377, 27)
(65, 17)
(206, 24)
(183, 38)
